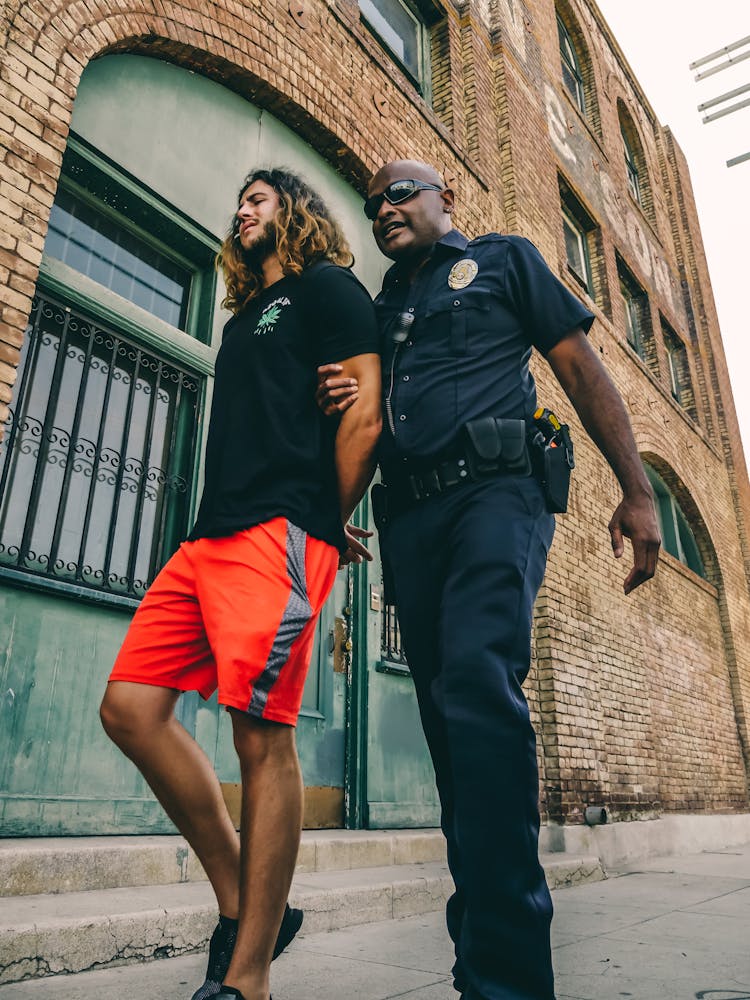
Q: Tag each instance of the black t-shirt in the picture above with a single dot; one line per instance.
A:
(270, 450)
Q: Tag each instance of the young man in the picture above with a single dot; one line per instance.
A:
(236, 606)
(465, 530)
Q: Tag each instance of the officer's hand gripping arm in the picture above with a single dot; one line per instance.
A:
(335, 394)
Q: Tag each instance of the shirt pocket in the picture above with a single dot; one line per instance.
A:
(449, 324)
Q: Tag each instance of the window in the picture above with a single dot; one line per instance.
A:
(98, 247)
(571, 69)
(97, 466)
(582, 239)
(634, 157)
(635, 303)
(633, 317)
(677, 536)
(96, 475)
(402, 29)
(677, 355)
(577, 68)
(631, 168)
(575, 250)
(392, 655)
(680, 381)
(638, 329)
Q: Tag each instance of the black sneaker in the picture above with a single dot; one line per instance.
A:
(221, 947)
(290, 924)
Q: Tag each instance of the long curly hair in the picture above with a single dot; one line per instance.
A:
(305, 232)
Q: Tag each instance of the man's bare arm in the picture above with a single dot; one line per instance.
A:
(602, 411)
(358, 432)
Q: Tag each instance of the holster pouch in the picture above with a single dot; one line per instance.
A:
(555, 479)
(553, 447)
(497, 444)
(379, 501)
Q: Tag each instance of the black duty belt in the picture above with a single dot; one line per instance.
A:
(482, 453)
(488, 446)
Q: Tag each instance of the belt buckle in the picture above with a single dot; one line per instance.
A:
(425, 485)
(431, 482)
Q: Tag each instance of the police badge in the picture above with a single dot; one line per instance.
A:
(463, 273)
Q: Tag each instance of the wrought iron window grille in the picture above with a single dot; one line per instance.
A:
(392, 655)
(97, 463)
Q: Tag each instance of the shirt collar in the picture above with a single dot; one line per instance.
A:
(452, 242)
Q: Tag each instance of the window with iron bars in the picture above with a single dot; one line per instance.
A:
(98, 461)
(96, 465)
(392, 656)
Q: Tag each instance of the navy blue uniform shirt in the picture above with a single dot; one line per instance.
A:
(466, 353)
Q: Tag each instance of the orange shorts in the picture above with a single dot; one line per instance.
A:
(237, 613)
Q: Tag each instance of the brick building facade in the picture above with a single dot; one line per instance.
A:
(642, 704)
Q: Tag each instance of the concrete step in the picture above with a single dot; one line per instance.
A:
(68, 932)
(66, 864)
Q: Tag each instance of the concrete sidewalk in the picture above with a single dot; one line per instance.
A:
(664, 929)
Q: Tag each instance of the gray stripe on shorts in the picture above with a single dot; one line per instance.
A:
(296, 615)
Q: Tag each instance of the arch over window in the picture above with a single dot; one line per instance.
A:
(678, 535)
(639, 183)
(577, 67)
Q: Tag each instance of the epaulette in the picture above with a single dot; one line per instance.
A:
(488, 238)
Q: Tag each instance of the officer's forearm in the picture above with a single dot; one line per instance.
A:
(602, 411)
(356, 440)
(606, 421)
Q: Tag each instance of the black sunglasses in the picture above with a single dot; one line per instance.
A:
(396, 193)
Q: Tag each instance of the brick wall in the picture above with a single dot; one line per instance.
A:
(642, 703)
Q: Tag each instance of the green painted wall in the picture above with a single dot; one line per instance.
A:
(191, 142)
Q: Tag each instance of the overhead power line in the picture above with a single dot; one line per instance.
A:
(731, 55)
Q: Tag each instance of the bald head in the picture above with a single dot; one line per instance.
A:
(399, 169)
(406, 228)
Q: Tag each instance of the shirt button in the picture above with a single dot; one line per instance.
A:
(402, 417)
(406, 378)
(457, 302)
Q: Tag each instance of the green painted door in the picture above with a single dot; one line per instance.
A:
(101, 480)
(397, 783)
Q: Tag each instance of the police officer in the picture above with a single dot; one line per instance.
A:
(465, 531)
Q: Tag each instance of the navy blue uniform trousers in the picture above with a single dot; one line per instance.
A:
(467, 565)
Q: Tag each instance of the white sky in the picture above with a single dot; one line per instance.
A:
(660, 38)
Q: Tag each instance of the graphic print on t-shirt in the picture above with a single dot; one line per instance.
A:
(270, 316)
